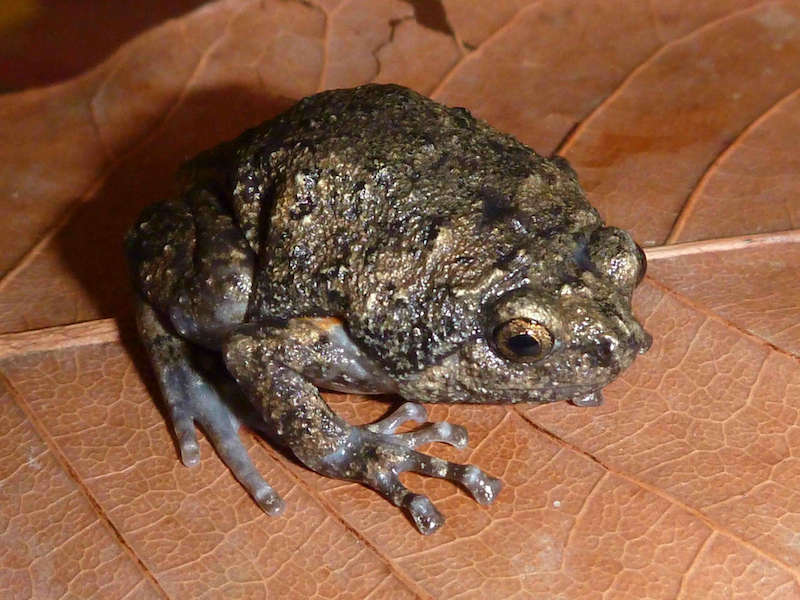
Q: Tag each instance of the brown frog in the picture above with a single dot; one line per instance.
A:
(373, 241)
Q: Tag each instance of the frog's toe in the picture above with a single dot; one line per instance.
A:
(265, 496)
(425, 515)
(408, 411)
(225, 438)
(427, 518)
(269, 501)
(441, 431)
(186, 436)
(484, 488)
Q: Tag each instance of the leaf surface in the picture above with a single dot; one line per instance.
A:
(683, 122)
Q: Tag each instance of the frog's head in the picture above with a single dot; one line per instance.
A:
(564, 335)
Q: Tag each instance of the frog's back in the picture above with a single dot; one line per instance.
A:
(394, 212)
(365, 148)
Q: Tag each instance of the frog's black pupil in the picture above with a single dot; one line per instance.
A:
(524, 345)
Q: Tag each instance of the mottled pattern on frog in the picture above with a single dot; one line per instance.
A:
(402, 214)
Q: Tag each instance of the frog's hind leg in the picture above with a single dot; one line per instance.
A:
(194, 269)
(190, 260)
(197, 389)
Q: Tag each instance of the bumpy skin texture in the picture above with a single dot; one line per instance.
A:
(372, 240)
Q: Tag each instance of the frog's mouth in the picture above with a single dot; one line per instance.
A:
(579, 396)
(583, 396)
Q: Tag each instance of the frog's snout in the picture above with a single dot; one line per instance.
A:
(638, 340)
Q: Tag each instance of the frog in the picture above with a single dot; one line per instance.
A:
(373, 241)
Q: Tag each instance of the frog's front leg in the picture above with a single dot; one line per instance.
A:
(279, 369)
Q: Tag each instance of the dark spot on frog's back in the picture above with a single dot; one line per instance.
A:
(464, 260)
(508, 257)
(303, 207)
(564, 166)
(440, 161)
(431, 231)
(337, 299)
(463, 118)
(496, 206)
(497, 146)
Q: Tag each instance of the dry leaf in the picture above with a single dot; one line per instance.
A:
(683, 122)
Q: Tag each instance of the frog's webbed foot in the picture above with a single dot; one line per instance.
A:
(376, 458)
(384, 454)
(194, 395)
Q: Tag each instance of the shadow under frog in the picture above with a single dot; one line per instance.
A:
(143, 174)
(373, 241)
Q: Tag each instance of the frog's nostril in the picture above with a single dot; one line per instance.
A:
(606, 349)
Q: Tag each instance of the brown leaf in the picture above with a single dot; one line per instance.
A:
(683, 122)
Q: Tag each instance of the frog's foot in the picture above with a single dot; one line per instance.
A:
(376, 459)
(194, 395)
(191, 399)
(441, 431)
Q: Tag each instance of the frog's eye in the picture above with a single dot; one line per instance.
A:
(522, 340)
(614, 254)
